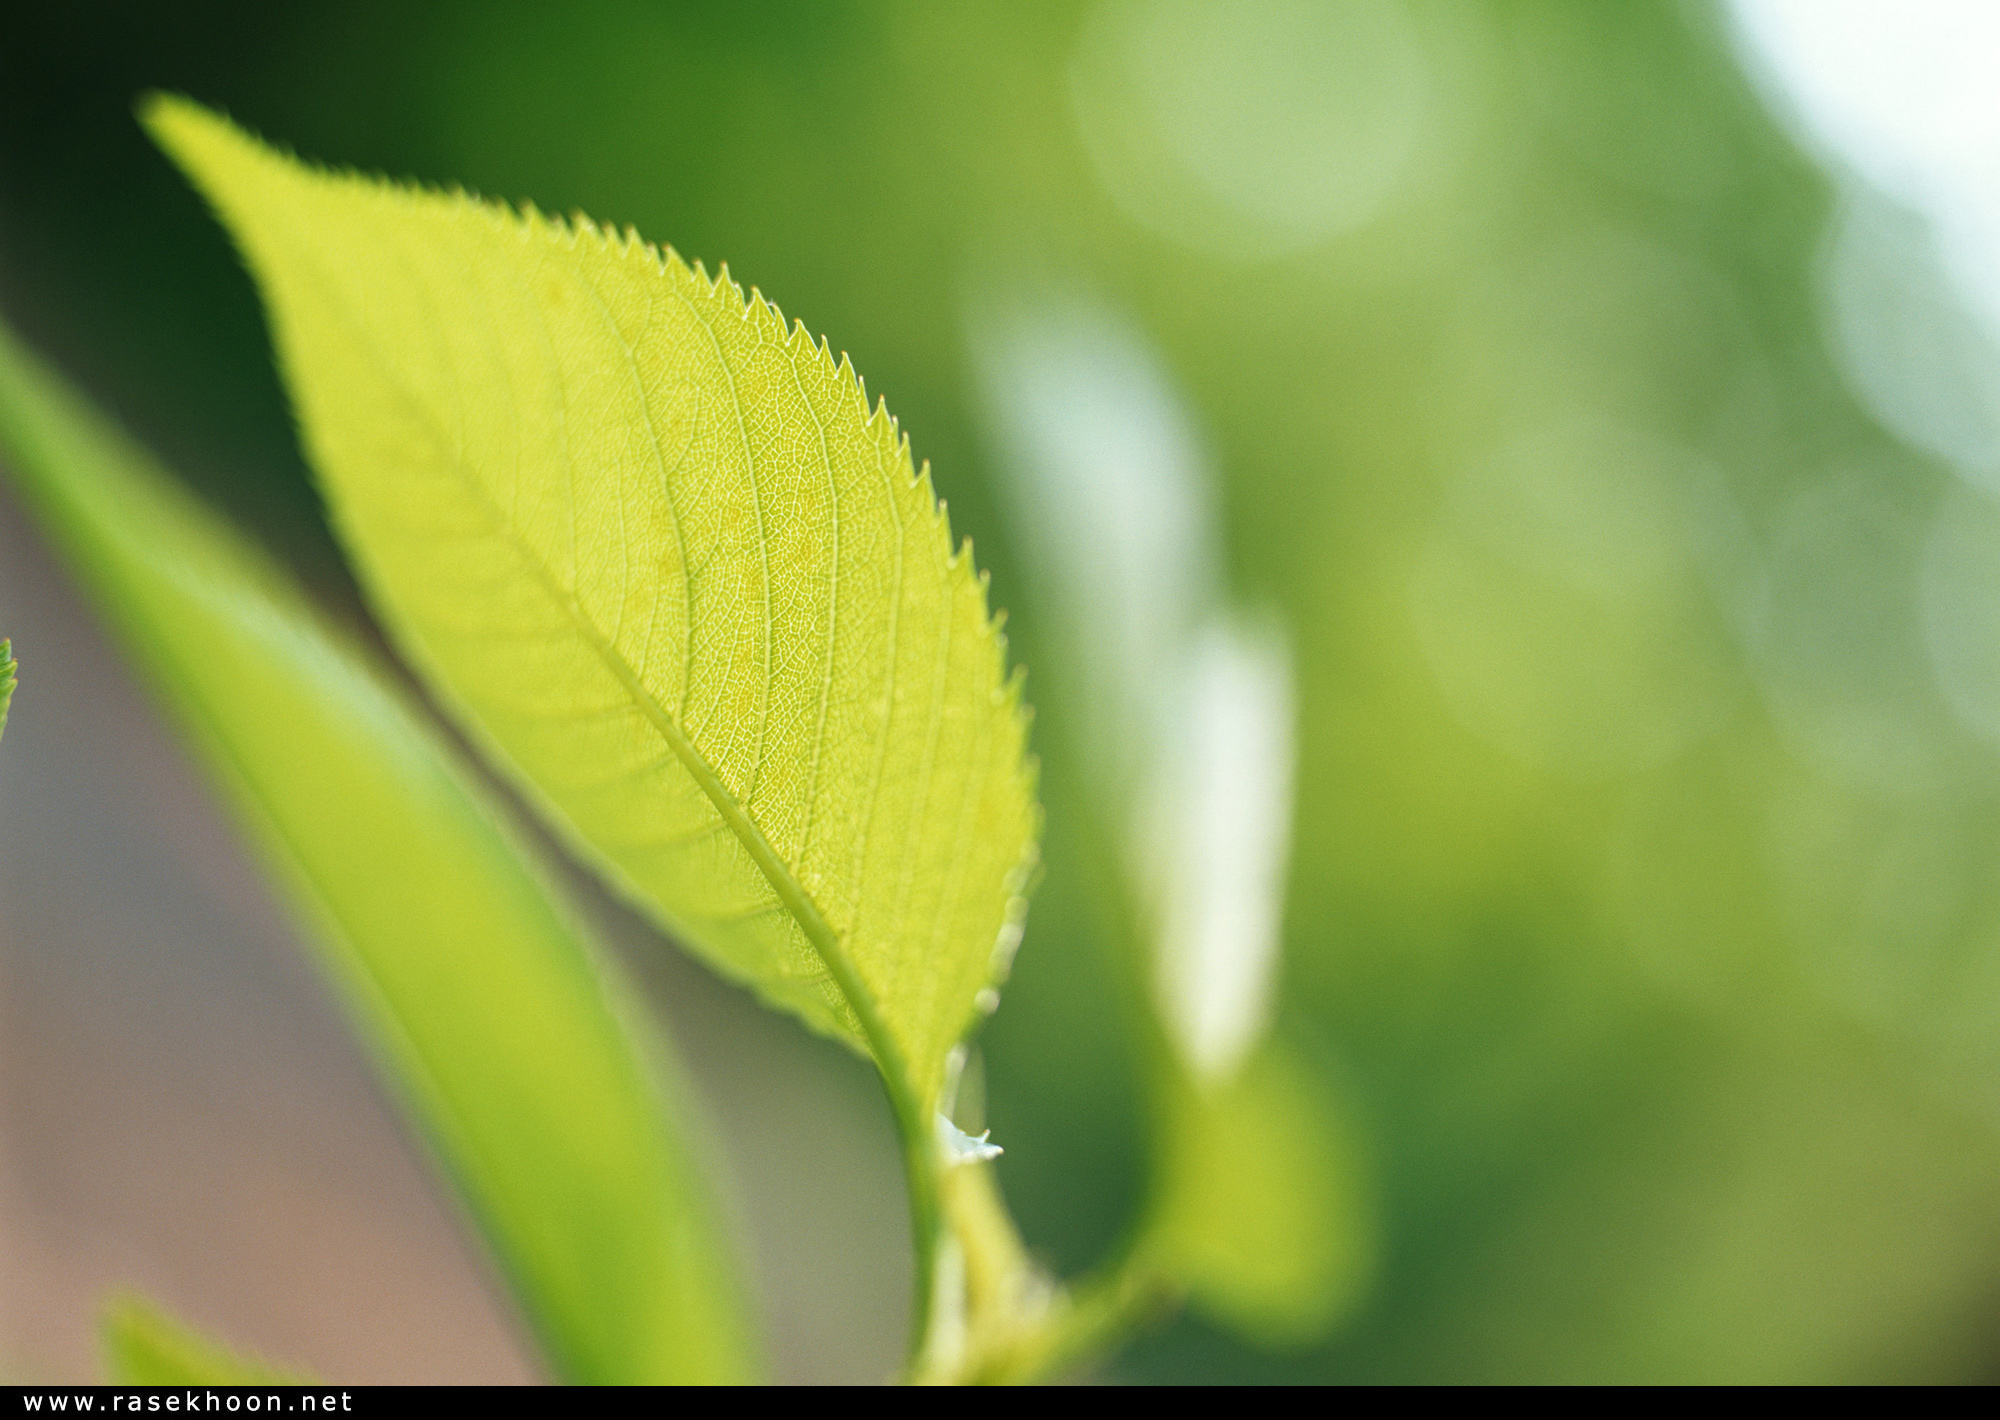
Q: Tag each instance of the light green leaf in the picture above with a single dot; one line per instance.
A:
(6, 681)
(660, 556)
(145, 1346)
(1263, 1212)
(512, 1048)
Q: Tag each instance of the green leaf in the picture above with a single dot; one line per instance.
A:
(145, 1346)
(6, 681)
(1184, 730)
(657, 553)
(1262, 1213)
(512, 1047)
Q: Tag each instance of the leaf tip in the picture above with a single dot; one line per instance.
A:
(161, 111)
(204, 141)
(182, 128)
(143, 1345)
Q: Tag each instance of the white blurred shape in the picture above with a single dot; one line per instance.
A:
(1903, 99)
(1249, 130)
(1904, 94)
(1108, 487)
(1224, 826)
(1185, 718)
(960, 1147)
(1922, 362)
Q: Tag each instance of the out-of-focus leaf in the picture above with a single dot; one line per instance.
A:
(660, 556)
(6, 681)
(1263, 1214)
(1182, 714)
(513, 1048)
(145, 1346)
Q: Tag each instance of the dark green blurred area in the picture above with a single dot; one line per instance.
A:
(1644, 900)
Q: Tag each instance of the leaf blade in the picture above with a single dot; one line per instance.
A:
(509, 1043)
(1262, 1210)
(763, 693)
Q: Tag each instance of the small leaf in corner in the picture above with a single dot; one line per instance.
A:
(145, 1346)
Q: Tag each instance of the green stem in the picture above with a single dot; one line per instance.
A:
(920, 1168)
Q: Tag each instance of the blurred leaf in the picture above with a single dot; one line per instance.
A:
(512, 1047)
(145, 1346)
(6, 681)
(1262, 1215)
(1181, 711)
(659, 555)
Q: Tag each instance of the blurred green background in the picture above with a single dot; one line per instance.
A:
(1644, 904)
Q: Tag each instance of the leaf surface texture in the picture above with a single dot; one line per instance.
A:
(665, 562)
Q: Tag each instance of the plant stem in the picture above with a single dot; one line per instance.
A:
(920, 1169)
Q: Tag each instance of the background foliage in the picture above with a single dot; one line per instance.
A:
(1642, 919)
